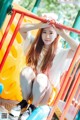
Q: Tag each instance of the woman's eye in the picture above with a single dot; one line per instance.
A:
(44, 32)
(51, 32)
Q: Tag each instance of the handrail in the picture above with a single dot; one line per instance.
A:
(66, 78)
(7, 29)
(45, 20)
(70, 96)
(70, 81)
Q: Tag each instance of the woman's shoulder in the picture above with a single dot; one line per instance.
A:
(61, 54)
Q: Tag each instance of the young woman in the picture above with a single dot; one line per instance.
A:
(45, 63)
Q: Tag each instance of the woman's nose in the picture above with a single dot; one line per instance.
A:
(47, 36)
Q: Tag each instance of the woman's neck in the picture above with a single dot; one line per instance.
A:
(46, 47)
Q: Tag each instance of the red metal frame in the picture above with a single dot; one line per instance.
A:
(13, 37)
(69, 82)
(44, 20)
(11, 42)
(70, 96)
(64, 85)
(66, 79)
(7, 29)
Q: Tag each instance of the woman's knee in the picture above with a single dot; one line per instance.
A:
(27, 73)
(41, 77)
(40, 88)
(42, 81)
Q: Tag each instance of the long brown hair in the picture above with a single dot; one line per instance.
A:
(35, 50)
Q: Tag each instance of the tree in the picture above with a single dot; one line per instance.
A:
(66, 11)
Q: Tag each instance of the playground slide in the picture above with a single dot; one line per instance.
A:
(9, 76)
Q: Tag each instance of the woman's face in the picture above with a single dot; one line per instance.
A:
(48, 35)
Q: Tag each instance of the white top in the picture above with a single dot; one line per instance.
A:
(59, 66)
(40, 60)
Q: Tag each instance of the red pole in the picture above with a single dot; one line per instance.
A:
(7, 29)
(78, 95)
(44, 20)
(69, 82)
(76, 100)
(11, 42)
(64, 84)
(62, 78)
(70, 96)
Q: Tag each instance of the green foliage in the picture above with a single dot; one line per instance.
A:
(28, 4)
(66, 11)
(5, 7)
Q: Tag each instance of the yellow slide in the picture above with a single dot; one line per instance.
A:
(10, 74)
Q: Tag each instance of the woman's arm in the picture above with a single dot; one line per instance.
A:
(25, 28)
(30, 26)
(70, 40)
(73, 44)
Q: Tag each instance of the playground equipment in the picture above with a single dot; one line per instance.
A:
(40, 113)
(14, 63)
(14, 52)
(77, 117)
(1, 88)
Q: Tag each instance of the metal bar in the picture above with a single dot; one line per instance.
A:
(70, 96)
(77, 53)
(44, 20)
(69, 82)
(11, 42)
(7, 29)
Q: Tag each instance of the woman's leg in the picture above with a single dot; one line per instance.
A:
(41, 90)
(26, 78)
(47, 95)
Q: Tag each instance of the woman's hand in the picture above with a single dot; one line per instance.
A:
(67, 37)
(59, 31)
